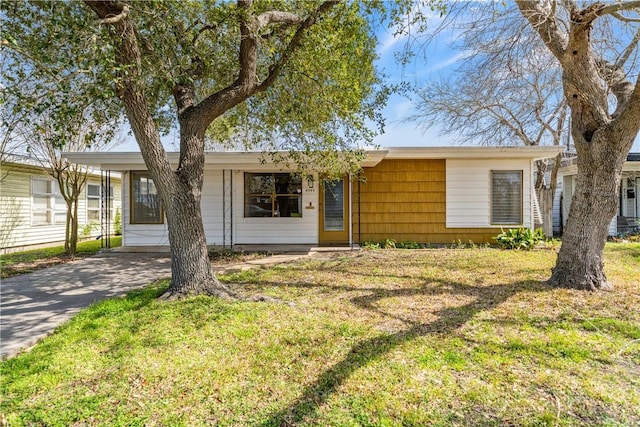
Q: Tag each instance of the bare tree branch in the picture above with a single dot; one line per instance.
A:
(541, 16)
(628, 51)
(613, 8)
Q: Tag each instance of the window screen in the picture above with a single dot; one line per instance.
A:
(146, 207)
(506, 197)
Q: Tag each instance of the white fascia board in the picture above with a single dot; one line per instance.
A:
(573, 169)
(631, 167)
(213, 160)
(466, 152)
(568, 170)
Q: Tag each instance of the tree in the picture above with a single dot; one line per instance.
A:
(287, 68)
(596, 47)
(82, 133)
(603, 127)
(506, 91)
(51, 104)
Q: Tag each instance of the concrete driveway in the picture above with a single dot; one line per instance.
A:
(33, 305)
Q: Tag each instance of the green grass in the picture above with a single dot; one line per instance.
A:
(28, 261)
(375, 338)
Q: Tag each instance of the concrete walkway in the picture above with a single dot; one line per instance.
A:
(32, 305)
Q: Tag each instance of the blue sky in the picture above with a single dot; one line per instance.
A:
(438, 60)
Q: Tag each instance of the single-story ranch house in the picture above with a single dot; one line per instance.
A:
(426, 195)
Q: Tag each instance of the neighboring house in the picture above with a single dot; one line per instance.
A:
(32, 211)
(427, 195)
(628, 216)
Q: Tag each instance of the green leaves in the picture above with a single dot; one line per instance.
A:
(520, 238)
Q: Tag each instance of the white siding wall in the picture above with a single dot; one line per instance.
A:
(212, 207)
(568, 188)
(469, 191)
(82, 205)
(275, 230)
(245, 230)
(15, 208)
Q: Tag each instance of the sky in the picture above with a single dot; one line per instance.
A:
(437, 62)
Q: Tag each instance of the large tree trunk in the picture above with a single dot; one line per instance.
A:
(191, 271)
(602, 139)
(594, 204)
(181, 190)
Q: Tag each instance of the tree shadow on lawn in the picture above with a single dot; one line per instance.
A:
(449, 319)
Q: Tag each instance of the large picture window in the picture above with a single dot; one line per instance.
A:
(145, 201)
(272, 195)
(47, 204)
(506, 197)
(94, 202)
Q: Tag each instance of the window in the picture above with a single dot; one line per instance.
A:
(145, 200)
(506, 197)
(94, 203)
(272, 195)
(47, 204)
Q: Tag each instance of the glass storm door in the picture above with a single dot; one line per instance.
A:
(334, 212)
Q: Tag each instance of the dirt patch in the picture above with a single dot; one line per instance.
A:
(22, 267)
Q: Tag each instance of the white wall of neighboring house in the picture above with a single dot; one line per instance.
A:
(567, 179)
(469, 190)
(18, 229)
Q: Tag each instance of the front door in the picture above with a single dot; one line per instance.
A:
(334, 212)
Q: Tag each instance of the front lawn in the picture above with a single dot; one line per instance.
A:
(35, 259)
(373, 338)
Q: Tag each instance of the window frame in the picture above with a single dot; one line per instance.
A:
(493, 222)
(52, 211)
(132, 221)
(99, 198)
(273, 194)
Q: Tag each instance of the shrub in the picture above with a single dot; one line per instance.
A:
(388, 244)
(370, 245)
(519, 238)
(391, 244)
(84, 232)
(408, 245)
(117, 223)
(225, 254)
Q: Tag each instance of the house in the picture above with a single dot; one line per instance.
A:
(628, 216)
(33, 213)
(427, 195)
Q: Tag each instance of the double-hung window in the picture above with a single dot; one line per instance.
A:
(94, 203)
(506, 197)
(47, 204)
(146, 207)
(272, 195)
